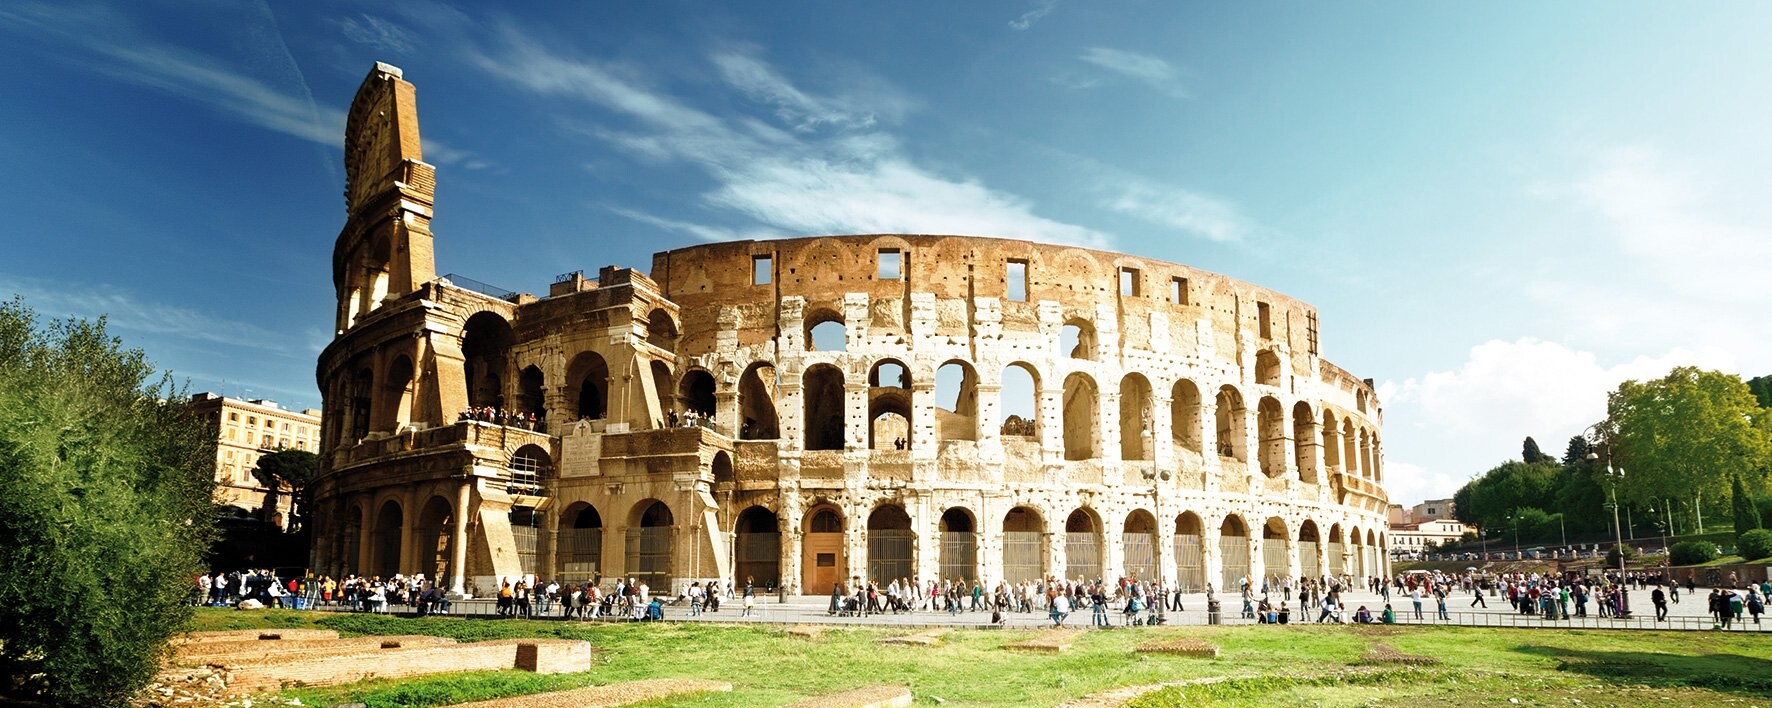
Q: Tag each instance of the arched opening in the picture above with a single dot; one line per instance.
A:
(362, 395)
(1190, 557)
(395, 397)
(649, 545)
(526, 532)
(531, 468)
(486, 353)
(1233, 554)
(758, 549)
(1139, 538)
(531, 401)
(1076, 339)
(1338, 549)
(822, 390)
(388, 523)
(1331, 442)
(350, 547)
(1371, 554)
(1082, 546)
(1080, 405)
(661, 330)
(1267, 368)
(891, 545)
(959, 544)
(822, 552)
(1350, 448)
(1274, 536)
(1184, 416)
(580, 544)
(956, 401)
(1366, 453)
(1233, 433)
(436, 530)
(1308, 552)
(825, 332)
(889, 406)
(721, 467)
(588, 380)
(1304, 433)
(1023, 552)
(1271, 421)
(1019, 400)
(697, 391)
(756, 403)
(1135, 418)
(664, 385)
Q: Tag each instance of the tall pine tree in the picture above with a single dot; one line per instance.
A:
(1747, 515)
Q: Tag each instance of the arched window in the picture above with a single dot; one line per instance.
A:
(530, 467)
(486, 350)
(1077, 339)
(956, 401)
(822, 389)
(1019, 400)
(756, 403)
(825, 332)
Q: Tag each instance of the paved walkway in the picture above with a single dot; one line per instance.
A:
(1689, 614)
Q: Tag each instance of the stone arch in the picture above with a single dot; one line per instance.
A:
(1190, 557)
(664, 386)
(1274, 536)
(1020, 394)
(578, 555)
(486, 358)
(1309, 541)
(756, 403)
(956, 401)
(1082, 544)
(587, 381)
(1184, 416)
(1304, 434)
(1233, 553)
(1233, 435)
(1077, 339)
(1341, 564)
(892, 544)
(1081, 407)
(826, 331)
(649, 538)
(435, 533)
(821, 390)
(531, 468)
(385, 560)
(889, 405)
(1366, 453)
(1138, 539)
(757, 548)
(823, 562)
(1024, 535)
(661, 329)
(696, 392)
(959, 543)
(1271, 422)
(721, 468)
(530, 398)
(1135, 418)
(1350, 448)
(1267, 368)
(394, 399)
(1331, 441)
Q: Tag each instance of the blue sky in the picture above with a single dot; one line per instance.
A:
(1500, 209)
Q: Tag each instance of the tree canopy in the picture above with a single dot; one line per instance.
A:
(1685, 433)
(294, 469)
(106, 513)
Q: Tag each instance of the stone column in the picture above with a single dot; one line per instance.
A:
(408, 526)
(1211, 560)
(458, 542)
(1107, 433)
(1162, 435)
(990, 431)
(925, 437)
(1113, 550)
(1051, 422)
(1209, 445)
(1165, 540)
(856, 426)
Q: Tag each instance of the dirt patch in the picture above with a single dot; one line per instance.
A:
(1185, 647)
(615, 694)
(1052, 641)
(1386, 654)
(870, 697)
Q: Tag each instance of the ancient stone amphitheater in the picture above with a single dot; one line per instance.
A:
(877, 406)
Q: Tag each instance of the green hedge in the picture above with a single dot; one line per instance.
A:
(1755, 544)
(1693, 552)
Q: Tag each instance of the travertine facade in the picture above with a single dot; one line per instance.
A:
(887, 406)
(246, 430)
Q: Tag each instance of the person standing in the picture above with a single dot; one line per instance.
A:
(1415, 597)
(1660, 599)
(750, 596)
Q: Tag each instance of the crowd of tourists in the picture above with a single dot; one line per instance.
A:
(500, 416)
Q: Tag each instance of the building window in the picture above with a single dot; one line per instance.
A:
(891, 264)
(1178, 291)
(234, 417)
(252, 420)
(1017, 281)
(762, 270)
(1130, 283)
(1264, 315)
(1310, 322)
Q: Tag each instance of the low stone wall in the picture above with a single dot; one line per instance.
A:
(541, 655)
(236, 653)
(242, 635)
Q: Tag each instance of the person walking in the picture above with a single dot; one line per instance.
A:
(1477, 595)
(750, 596)
(1660, 599)
(1415, 597)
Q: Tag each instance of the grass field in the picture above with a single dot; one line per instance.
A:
(1294, 665)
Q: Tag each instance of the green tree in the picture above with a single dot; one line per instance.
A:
(1530, 454)
(1575, 455)
(106, 511)
(1747, 517)
(1684, 434)
(1761, 386)
(1504, 490)
(294, 469)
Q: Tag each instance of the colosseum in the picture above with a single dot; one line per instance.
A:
(805, 411)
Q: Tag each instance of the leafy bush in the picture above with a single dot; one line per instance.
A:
(1693, 552)
(1755, 544)
(1630, 554)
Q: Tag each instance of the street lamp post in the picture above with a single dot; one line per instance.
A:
(1617, 476)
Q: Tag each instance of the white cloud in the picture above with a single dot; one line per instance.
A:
(1027, 19)
(1151, 70)
(699, 231)
(1446, 426)
(1180, 209)
(857, 181)
(126, 310)
(376, 33)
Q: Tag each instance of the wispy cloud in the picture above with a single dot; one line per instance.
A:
(712, 234)
(1180, 209)
(1027, 19)
(1153, 71)
(834, 169)
(127, 310)
(376, 33)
